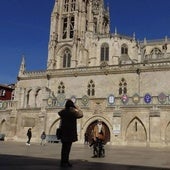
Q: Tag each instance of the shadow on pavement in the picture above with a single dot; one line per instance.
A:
(12, 162)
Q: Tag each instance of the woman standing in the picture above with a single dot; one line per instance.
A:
(69, 116)
(43, 138)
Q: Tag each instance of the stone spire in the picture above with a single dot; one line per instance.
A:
(115, 31)
(22, 67)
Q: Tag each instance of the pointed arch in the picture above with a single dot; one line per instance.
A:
(38, 97)
(124, 49)
(104, 53)
(66, 58)
(136, 131)
(54, 126)
(156, 53)
(28, 97)
(3, 126)
(88, 127)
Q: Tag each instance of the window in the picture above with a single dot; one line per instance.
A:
(104, 55)
(38, 98)
(12, 95)
(91, 88)
(72, 27)
(73, 5)
(95, 25)
(65, 28)
(28, 98)
(68, 27)
(69, 5)
(66, 5)
(61, 88)
(124, 49)
(68, 19)
(2, 92)
(156, 53)
(67, 58)
(122, 87)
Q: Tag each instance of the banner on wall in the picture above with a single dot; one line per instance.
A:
(116, 129)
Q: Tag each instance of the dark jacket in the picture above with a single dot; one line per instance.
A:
(43, 135)
(68, 125)
(29, 133)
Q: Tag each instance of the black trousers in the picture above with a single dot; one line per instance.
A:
(65, 152)
(29, 138)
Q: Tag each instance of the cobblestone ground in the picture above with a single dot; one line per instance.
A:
(17, 156)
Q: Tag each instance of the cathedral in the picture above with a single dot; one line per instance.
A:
(110, 76)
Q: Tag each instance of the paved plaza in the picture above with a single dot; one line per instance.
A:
(17, 156)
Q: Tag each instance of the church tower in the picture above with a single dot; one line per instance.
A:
(73, 22)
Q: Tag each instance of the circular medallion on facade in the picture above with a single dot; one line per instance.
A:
(124, 99)
(162, 98)
(147, 98)
(136, 98)
(85, 100)
(61, 99)
(50, 101)
(73, 98)
(111, 99)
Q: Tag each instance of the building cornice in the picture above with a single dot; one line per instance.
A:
(87, 71)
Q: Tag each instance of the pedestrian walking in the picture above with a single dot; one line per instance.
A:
(43, 138)
(29, 135)
(69, 116)
(86, 138)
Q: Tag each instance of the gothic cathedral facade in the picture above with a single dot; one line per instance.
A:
(112, 77)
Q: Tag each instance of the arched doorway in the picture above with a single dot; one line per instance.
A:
(3, 126)
(89, 131)
(53, 127)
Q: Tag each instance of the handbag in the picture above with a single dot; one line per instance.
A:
(58, 133)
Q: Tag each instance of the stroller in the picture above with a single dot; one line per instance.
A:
(98, 148)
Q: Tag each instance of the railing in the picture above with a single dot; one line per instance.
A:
(52, 139)
(7, 104)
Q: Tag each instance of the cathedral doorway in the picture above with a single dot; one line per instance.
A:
(89, 132)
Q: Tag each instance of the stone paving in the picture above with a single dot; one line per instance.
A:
(17, 156)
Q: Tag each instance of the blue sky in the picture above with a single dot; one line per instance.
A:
(25, 25)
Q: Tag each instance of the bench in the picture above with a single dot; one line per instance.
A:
(2, 136)
(52, 139)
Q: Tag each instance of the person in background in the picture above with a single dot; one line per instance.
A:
(99, 131)
(43, 138)
(69, 116)
(86, 138)
(29, 135)
(98, 137)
